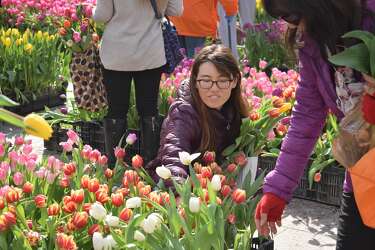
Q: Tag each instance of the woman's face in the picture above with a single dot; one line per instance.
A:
(214, 88)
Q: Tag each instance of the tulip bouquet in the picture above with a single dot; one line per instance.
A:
(32, 64)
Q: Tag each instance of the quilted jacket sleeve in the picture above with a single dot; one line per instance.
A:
(180, 133)
(308, 118)
(103, 12)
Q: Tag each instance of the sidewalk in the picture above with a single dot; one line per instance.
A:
(307, 225)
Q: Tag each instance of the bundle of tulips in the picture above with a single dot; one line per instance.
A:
(76, 201)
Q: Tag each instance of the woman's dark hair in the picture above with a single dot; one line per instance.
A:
(227, 65)
(325, 21)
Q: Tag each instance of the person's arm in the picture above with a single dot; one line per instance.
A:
(180, 132)
(230, 7)
(308, 118)
(174, 8)
(103, 11)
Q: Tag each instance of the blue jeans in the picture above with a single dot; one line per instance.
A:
(191, 43)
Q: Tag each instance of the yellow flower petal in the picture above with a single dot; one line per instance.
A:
(286, 107)
(36, 125)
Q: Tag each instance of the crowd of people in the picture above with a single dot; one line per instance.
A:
(207, 114)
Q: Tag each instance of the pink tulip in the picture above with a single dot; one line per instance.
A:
(51, 161)
(19, 140)
(73, 136)
(262, 64)
(2, 150)
(2, 138)
(51, 177)
(41, 173)
(30, 164)
(3, 174)
(27, 149)
(67, 146)
(103, 160)
(18, 178)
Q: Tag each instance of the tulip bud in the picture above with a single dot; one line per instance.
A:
(53, 209)
(137, 161)
(239, 196)
(97, 211)
(93, 185)
(216, 183)
(101, 196)
(12, 195)
(117, 199)
(209, 157)
(85, 181)
(40, 200)
(163, 172)
(126, 214)
(103, 160)
(94, 228)
(131, 138)
(231, 219)
(69, 169)
(225, 190)
(133, 202)
(254, 116)
(194, 204)
(317, 177)
(28, 188)
(232, 167)
(77, 195)
(119, 153)
(80, 219)
(138, 236)
(240, 159)
(206, 172)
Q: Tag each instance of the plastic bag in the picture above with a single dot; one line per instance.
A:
(356, 137)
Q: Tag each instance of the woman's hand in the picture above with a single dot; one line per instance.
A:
(268, 214)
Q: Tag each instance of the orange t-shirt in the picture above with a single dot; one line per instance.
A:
(200, 18)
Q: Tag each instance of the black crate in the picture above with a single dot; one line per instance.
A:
(261, 244)
(327, 191)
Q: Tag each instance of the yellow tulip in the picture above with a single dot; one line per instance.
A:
(19, 41)
(7, 33)
(29, 48)
(39, 35)
(25, 37)
(36, 125)
(15, 32)
(46, 35)
(7, 42)
(286, 107)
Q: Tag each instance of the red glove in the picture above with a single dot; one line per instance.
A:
(272, 205)
(368, 108)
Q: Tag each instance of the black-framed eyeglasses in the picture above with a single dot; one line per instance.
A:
(291, 18)
(221, 84)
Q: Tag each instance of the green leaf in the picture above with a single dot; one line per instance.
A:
(372, 56)
(11, 118)
(229, 150)
(3, 241)
(362, 35)
(7, 102)
(356, 57)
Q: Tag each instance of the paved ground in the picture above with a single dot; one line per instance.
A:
(306, 225)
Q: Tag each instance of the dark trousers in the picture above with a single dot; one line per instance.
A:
(352, 234)
(118, 87)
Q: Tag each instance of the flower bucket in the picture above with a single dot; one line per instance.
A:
(250, 167)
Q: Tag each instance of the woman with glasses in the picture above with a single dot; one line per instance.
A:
(316, 28)
(207, 114)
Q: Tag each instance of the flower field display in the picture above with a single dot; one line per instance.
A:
(78, 203)
(32, 64)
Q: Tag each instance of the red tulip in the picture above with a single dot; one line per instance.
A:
(28, 188)
(10, 219)
(85, 181)
(165, 198)
(239, 196)
(101, 196)
(77, 195)
(2, 203)
(93, 185)
(108, 173)
(206, 172)
(317, 177)
(117, 199)
(40, 200)
(231, 218)
(62, 31)
(67, 24)
(126, 214)
(240, 159)
(232, 167)
(53, 209)
(65, 242)
(94, 228)
(137, 161)
(95, 155)
(144, 191)
(103, 160)
(130, 178)
(124, 191)
(119, 153)
(86, 207)
(12, 195)
(225, 190)
(209, 157)
(64, 182)
(274, 113)
(80, 219)
(69, 169)
(254, 116)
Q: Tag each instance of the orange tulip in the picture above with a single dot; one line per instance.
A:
(40, 200)
(93, 185)
(239, 196)
(94, 228)
(101, 196)
(69, 169)
(108, 173)
(28, 188)
(85, 181)
(126, 214)
(65, 242)
(77, 195)
(80, 219)
(137, 161)
(53, 209)
(225, 190)
(117, 199)
(12, 195)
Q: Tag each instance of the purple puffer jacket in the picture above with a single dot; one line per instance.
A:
(315, 95)
(181, 131)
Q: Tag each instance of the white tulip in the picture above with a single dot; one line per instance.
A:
(156, 218)
(187, 158)
(148, 226)
(194, 204)
(98, 241)
(98, 211)
(216, 182)
(139, 236)
(112, 221)
(110, 242)
(163, 172)
(133, 202)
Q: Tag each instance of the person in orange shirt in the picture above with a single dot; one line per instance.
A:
(200, 21)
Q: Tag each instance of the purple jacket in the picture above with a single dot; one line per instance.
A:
(315, 95)
(181, 131)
